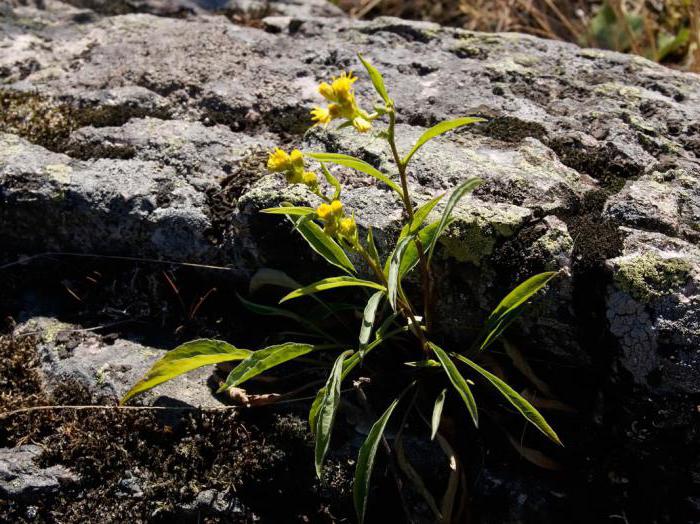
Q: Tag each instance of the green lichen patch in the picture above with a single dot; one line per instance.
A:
(649, 276)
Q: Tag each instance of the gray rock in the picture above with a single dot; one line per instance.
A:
(654, 309)
(76, 362)
(22, 478)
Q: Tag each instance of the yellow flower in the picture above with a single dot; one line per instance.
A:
(278, 161)
(348, 227)
(297, 160)
(324, 212)
(326, 91)
(361, 124)
(320, 115)
(310, 179)
(336, 208)
(342, 87)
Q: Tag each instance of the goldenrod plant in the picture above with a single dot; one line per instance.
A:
(389, 313)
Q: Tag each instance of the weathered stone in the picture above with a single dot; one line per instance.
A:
(98, 370)
(22, 478)
(654, 309)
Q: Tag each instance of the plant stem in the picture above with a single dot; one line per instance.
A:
(426, 274)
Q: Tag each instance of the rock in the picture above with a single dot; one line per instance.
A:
(21, 478)
(145, 136)
(83, 365)
(654, 309)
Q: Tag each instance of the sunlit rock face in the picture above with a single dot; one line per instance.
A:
(141, 129)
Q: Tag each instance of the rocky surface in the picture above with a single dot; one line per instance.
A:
(140, 129)
(21, 477)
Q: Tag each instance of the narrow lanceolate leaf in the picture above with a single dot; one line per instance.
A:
(511, 306)
(377, 80)
(419, 217)
(437, 414)
(358, 165)
(184, 358)
(263, 359)
(262, 309)
(271, 277)
(332, 181)
(368, 317)
(289, 210)
(365, 463)
(372, 247)
(526, 409)
(456, 196)
(324, 245)
(439, 129)
(411, 256)
(458, 381)
(331, 283)
(394, 278)
(325, 412)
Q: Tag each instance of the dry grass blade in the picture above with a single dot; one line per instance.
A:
(535, 456)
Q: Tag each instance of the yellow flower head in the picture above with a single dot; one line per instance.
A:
(342, 88)
(278, 161)
(361, 124)
(324, 212)
(297, 160)
(348, 227)
(320, 115)
(326, 91)
(336, 208)
(310, 179)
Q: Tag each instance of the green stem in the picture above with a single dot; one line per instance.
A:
(426, 273)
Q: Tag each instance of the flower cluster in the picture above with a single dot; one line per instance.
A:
(341, 96)
(332, 216)
(292, 165)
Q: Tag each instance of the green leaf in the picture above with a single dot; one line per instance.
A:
(332, 181)
(456, 196)
(437, 414)
(331, 283)
(372, 247)
(271, 277)
(427, 363)
(411, 256)
(184, 358)
(368, 317)
(439, 129)
(523, 406)
(365, 462)
(326, 410)
(357, 164)
(457, 381)
(511, 306)
(419, 217)
(377, 80)
(262, 309)
(289, 210)
(263, 359)
(324, 245)
(394, 278)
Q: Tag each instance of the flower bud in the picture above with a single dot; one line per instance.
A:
(324, 212)
(348, 227)
(310, 179)
(336, 208)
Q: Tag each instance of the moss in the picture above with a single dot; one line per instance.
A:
(650, 276)
(35, 118)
